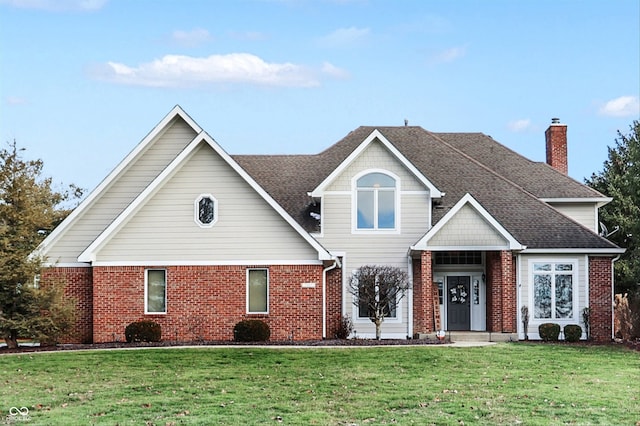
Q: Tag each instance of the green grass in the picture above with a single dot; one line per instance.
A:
(504, 384)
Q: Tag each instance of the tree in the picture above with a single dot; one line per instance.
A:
(29, 210)
(620, 179)
(376, 292)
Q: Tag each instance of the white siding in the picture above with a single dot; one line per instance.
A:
(585, 214)
(121, 192)
(467, 229)
(247, 228)
(525, 290)
(375, 248)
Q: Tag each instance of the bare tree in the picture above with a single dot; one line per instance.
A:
(376, 291)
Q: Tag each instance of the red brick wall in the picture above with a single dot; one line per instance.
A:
(334, 301)
(423, 293)
(501, 292)
(77, 286)
(600, 298)
(205, 302)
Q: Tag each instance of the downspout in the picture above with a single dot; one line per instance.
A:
(336, 264)
(613, 323)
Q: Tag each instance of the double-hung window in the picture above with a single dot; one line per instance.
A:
(155, 291)
(376, 202)
(257, 291)
(553, 290)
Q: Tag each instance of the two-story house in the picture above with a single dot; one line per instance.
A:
(195, 239)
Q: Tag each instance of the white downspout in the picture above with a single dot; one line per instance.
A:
(613, 323)
(336, 264)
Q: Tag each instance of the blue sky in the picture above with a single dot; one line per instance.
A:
(83, 81)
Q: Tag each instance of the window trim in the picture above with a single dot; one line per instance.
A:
(575, 288)
(354, 204)
(146, 292)
(247, 292)
(196, 210)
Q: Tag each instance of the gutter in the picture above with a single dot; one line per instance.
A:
(336, 264)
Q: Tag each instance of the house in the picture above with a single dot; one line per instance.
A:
(184, 234)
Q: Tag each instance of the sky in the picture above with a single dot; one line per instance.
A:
(82, 82)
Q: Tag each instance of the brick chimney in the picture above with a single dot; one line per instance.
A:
(556, 137)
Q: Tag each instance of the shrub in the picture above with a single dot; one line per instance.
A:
(345, 327)
(549, 331)
(251, 330)
(627, 316)
(572, 332)
(143, 331)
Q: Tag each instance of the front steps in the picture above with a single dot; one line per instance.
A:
(473, 336)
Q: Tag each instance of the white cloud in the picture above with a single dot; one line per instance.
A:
(16, 100)
(624, 106)
(345, 37)
(335, 72)
(191, 38)
(188, 71)
(248, 35)
(56, 5)
(521, 125)
(449, 55)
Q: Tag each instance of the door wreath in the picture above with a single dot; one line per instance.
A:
(458, 294)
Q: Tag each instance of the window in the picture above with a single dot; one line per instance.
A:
(206, 211)
(156, 291)
(458, 258)
(257, 291)
(383, 299)
(376, 202)
(553, 290)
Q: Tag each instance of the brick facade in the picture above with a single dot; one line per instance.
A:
(77, 287)
(501, 292)
(205, 302)
(423, 293)
(600, 298)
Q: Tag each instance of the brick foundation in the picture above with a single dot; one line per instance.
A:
(600, 299)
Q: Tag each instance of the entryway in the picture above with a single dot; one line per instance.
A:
(458, 299)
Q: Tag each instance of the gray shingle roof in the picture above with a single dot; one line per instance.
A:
(506, 184)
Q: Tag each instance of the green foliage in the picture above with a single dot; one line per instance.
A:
(549, 331)
(572, 332)
(143, 331)
(377, 291)
(29, 209)
(620, 179)
(251, 330)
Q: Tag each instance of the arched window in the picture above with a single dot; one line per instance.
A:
(376, 201)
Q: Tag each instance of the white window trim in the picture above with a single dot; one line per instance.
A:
(146, 291)
(354, 204)
(575, 319)
(196, 209)
(247, 291)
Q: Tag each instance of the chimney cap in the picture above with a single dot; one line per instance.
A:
(555, 120)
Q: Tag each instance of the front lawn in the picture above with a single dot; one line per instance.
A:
(504, 384)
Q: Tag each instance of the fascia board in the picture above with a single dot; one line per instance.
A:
(599, 201)
(177, 111)
(318, 191)
(599, 251)
(513, 244)
(89, 254)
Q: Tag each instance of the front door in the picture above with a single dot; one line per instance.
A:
(458, 298)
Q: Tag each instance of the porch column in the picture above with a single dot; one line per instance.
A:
(600, 299)
(423, 294)
(501, 292)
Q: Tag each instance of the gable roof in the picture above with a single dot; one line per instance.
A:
(176, 113)
(89, 254)
(512, 200)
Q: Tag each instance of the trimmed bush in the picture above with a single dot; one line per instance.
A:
(251, 330)
(143, 331)
(345, 327)
(572, 332)
(549, 331)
